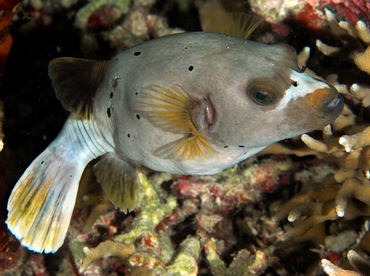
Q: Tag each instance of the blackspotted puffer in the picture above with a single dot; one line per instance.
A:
(192, 103)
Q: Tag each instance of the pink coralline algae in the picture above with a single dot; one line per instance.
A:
(270, 174)
(351, 10)
(308, 13)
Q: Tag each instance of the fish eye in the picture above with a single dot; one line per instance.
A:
(262, 97)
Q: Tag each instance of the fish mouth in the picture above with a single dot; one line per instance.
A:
(335, 106)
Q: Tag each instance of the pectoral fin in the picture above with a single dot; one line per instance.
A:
(170, 108)
(194, 147)
(119, 179)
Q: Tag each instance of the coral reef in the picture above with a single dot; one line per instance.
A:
(143, 230)
(344, 194)
(362, 265)
(351, 36)
(122, 23)
(149, 245)
(7, 11)
(345, 141)
(308, 13)
(209, 225)
(1, 125)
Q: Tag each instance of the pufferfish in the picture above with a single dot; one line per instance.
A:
(192, 103)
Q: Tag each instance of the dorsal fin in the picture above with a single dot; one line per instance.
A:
(75, 82)
(215, 19)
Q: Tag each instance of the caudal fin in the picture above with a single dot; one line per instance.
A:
(41, 204)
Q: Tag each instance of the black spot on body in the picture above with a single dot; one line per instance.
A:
(186, 47)
(111, 95)
(42, 162)
(294, 83)
(136, 93)
(128, 135)
(108, 112)
(191, 68)
(225, 147)
(138, 116)
(136, 54)
(116, 59)
(241, 146)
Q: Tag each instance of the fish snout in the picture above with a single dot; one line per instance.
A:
(327, 101)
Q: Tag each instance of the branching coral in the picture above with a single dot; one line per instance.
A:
(358, 262)
(351, 36)
(345, 193)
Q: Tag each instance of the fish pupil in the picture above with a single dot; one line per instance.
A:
(262, 97)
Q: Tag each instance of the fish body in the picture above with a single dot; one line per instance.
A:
(217, 72)
(191, 103)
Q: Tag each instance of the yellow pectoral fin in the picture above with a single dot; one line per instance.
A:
(194, 147)
(168, 107)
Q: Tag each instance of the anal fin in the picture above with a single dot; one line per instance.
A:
(119, 180)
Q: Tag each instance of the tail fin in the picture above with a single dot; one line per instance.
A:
(41, 204)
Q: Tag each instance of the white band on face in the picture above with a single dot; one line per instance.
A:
(305, 85)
